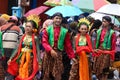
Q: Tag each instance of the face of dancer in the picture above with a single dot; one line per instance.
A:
(28, 28)
(83, 29)
(57, 20)
(105, 23)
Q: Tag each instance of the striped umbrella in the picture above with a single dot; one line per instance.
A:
(89, 4)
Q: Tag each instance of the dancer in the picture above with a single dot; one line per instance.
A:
(55, 40)
(83, 46)
(23, 64)
(105, 49)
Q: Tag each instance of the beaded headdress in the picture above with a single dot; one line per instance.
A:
(83, 21)
(35, 18)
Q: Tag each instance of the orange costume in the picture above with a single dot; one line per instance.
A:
(22, 62)
(83, 64)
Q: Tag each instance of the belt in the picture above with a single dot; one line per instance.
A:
(26, 50)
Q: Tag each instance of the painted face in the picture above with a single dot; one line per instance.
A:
(83, 29)
(28, 27)
(57, 20)
(105, 23)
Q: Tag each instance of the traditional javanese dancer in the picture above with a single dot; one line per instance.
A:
(83, 46)
(23, 64)
(105, 49)
(55, 40)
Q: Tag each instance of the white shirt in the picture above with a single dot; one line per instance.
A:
(116, 74)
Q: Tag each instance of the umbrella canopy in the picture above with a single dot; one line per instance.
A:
(113, 9)
(100, 15)
(89, 4)
(37, 10)
(57, 2)
(65, 10)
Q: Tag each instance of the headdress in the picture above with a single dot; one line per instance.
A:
(35, 18)
(83, 21)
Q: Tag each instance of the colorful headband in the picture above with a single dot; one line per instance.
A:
(83, 21)
(35, 18)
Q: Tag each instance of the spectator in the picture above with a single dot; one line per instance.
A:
(10, 36)
(5, 16)
(117, 55)
(46, 24)
(2, 21)
(93, 31)
(116, 74)
(2, 56)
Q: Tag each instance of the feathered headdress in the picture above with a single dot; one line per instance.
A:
(83, 21)
(35, 18)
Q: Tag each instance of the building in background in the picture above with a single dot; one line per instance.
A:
(3, 6)
(6, 5)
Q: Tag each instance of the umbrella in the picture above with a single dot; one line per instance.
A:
(57, 2)
(113, 9)
(65, 10)
(89, 4)
(65, 2)
(37, 10)
(100, 15)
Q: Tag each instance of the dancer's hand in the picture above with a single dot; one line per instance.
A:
(9, 61)
(96, 50)
(53, 53)
(74, 60)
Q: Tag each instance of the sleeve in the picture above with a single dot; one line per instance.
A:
(14, 53)
(1, 46)
(20, 34)
(113, 41)
(38, 50)
(68, 46)
(45, 43)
